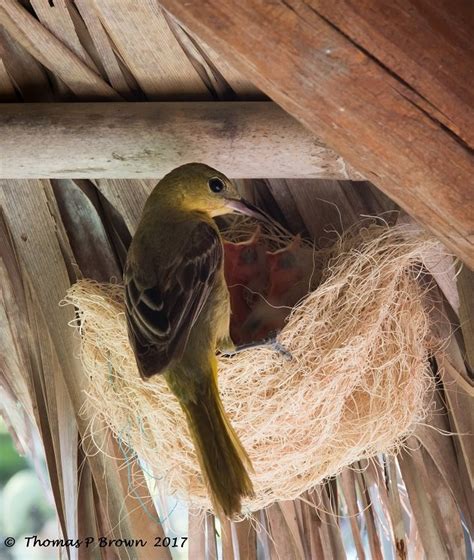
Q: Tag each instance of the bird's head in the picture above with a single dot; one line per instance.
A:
(196, 187)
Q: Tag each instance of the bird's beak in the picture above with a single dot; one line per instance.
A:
(243, 207)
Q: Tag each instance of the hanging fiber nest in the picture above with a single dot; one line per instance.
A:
(358, 383)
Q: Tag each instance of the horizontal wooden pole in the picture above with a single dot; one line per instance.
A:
(388, 85)
(146, 140)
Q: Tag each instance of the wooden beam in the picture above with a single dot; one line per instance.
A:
(385, 84)
(146, 140)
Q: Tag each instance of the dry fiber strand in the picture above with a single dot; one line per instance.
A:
(358, 383)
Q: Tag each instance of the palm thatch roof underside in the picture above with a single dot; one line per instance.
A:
(57, 230)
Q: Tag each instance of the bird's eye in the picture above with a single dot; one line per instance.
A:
(216, 185)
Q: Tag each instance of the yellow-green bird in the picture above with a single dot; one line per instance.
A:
(178, 313)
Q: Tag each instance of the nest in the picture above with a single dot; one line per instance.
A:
(358, 384)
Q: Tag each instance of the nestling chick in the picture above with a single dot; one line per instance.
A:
(290, 272)
(246, 275)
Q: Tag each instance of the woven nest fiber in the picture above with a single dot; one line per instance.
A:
(358, 383)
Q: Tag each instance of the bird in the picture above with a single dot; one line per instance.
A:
(290, 277)
(246, 275)
(177, 309)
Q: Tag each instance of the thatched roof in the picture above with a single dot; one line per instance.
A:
(54, 231)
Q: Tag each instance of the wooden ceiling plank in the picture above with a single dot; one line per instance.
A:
(26, 73)
(52, 53)
(36, 230)
(220, 72)
(88, 12)
(57, 19)
(283, 544)
(147, 140)
(7, 90)
(377, 121)
(150, 50)
(197, 535)
(438, 69)
(21, 200)
(244, 88)
(244, 537)
(215, 82)
(128, 196)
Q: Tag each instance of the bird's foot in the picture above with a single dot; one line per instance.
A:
(271, 341)
(278, 347)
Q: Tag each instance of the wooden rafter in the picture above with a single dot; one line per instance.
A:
(398, 109)
(146, 140)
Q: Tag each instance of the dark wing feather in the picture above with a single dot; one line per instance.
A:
(160, 317)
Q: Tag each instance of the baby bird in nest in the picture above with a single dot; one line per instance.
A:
(246, 275)
(290, 271)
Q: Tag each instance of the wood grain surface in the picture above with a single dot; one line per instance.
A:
(146, 140)
(399, 114)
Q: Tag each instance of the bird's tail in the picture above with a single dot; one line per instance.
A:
(223, 460)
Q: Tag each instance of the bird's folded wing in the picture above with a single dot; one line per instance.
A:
(160, 316)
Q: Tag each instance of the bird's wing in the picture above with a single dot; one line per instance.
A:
(160, 317)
